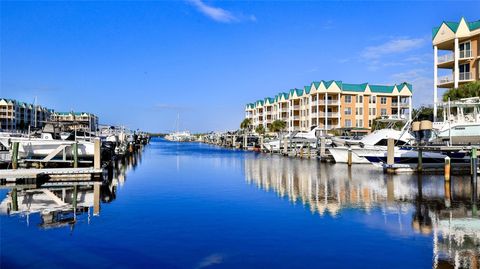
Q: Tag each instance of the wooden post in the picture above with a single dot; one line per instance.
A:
(349, 157)
(74, 198)
(474, 177)
(309, 152)
(14, 199)
(285, 146)
(420, 160)
(97, 156)
(261, 143)
(390, 156)
(245, 141)
(96, 199)
(390, 151)
(447, 193)
(234, 139)
(322, 147)
(15, 155)
(447, 168)
(75, 154)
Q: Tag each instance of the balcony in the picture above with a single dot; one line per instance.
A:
(445, 80)
(297, 117)
(445, 58)
(465, 76)
(296, 107)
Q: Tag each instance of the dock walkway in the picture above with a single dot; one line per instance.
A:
(14, 174)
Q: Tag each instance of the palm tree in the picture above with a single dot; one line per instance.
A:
(260, 130)
(245, 125)
(278, 126)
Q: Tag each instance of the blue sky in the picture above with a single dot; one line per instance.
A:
(142, 63)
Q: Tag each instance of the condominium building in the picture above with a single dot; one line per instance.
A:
(456, 51)
(77, 120)
(333, 105)
(19, 116)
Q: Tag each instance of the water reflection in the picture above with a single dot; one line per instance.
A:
(434, 208)
(66, 202)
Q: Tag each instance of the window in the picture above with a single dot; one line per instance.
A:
(373, 99)
(359, 99)
(383, 100)
(373, 111)
(359, 123)
(348, 111)
(348, 99)
(348, 123)
(465, 51)
(359, 111)
(383, 111)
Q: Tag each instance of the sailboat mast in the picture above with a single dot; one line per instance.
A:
(35, 109)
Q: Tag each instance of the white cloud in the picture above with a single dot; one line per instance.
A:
(219, 14)
(397, 45)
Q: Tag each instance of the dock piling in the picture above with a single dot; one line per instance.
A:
(349, 157)
(96, 199)
(447, 168)
(75, 154)
(97, 157)
(15, 155)
(420, 160)
(322, 147)
(14, 199)
(474, 175)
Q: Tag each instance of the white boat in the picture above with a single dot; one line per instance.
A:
(461, 122)
(43, 146)
(183, 136)
(299, 139)
(373, 144)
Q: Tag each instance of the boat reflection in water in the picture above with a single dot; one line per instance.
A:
(64, 202)
(441, 210)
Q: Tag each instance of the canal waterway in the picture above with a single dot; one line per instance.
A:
(191, 205)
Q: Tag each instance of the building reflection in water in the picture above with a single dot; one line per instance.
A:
(62, 203)
(441, 210)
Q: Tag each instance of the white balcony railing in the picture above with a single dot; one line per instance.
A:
(445, 58)
(465, 54)
(445, 79)
(465, 76)
(296, 107)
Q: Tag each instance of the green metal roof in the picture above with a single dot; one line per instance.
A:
(354, 87)
(381, 88)
(307, 89)
(454, 26)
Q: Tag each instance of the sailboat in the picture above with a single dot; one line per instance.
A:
(179, 136)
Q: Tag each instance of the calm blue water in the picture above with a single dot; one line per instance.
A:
(198, 206)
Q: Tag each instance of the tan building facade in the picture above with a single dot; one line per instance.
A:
(77, 120)
(332, 105)
(19, 116)
(456, 47)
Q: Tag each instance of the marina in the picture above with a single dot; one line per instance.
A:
(239, 134)
(301, 208)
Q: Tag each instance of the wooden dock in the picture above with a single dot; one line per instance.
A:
(14, 174)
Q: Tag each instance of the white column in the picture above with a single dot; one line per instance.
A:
(435, 80)
(326, 112)
(456, 71)
(398, 106)
(318, 108)
(309, 107)
(338, 113)
(409, 108)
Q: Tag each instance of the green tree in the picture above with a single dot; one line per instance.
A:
(260, 129)
(467, 90)
(246, 124)
(278, 126)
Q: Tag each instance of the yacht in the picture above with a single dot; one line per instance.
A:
(372, 145)
(298, 138)
(460, 124)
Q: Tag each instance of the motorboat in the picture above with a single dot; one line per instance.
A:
(299, 139)
(371, 145)
(460, 124)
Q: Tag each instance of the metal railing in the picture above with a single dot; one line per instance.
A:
(465, 54)
(465, 76)
(445, 58)
(445, 79)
